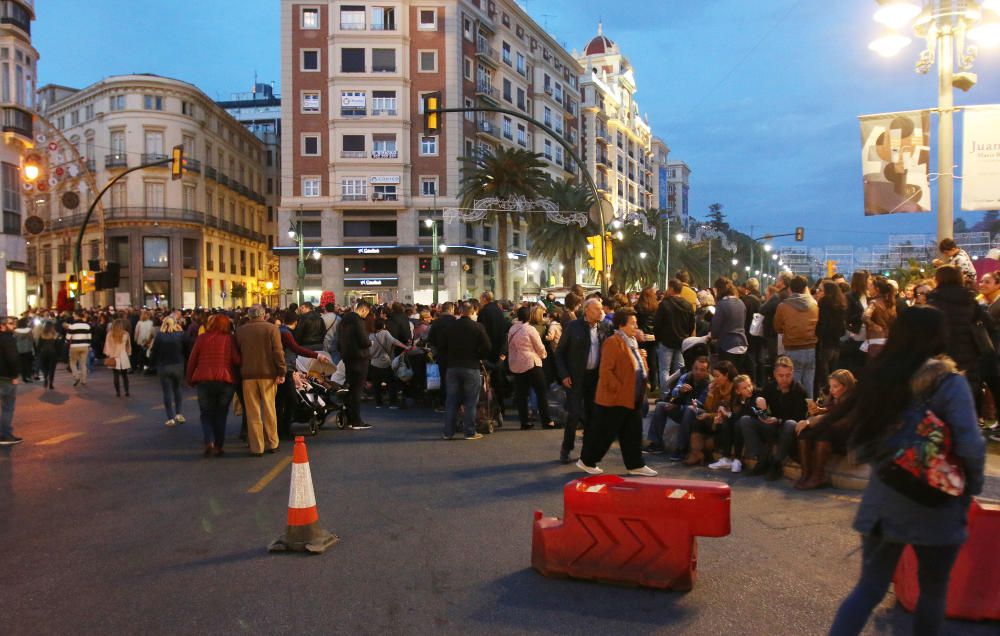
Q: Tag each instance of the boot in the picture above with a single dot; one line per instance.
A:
(805, 460)
(818, 478)
(696, 456)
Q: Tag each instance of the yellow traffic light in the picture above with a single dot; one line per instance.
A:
(831, 268)
(177, 163)
(432, 119)
(609, 259)
(800, 233)
(87, 281)
(72, 283)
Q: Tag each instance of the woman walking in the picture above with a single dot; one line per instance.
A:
(621, 390)
(213, 368)
(24, 341)
(118, 347)
(167, 356)
(525, 353)
(48, 353)
(887, 413)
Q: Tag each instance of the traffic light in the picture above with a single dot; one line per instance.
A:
(72, 286)
(177, 163)
(800, 233)
(33, 173)
(831, 268)
(87, 280)
(425, 264)
(432, 119)
(594, 247)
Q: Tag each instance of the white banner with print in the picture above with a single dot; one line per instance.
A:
(895, 154)
(981, 158)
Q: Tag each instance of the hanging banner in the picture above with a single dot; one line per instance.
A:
(981, 158)
(895, 155)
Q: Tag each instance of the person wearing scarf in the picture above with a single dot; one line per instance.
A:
(621, 388)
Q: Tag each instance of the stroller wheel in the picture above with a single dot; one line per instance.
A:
(341, 420)
(314, 424)
(497, 421)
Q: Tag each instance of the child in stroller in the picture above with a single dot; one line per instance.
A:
(318, 396)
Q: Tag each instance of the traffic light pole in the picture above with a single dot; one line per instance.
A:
(78, 253)
(569, 150)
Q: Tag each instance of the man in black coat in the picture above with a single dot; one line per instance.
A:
(311, 329)
(578, 359)
(436, 337)
(355, 351)
(491, 317)
(466, 346)
(8, 381)
(674, 321)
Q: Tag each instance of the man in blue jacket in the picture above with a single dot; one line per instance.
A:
(690, 387)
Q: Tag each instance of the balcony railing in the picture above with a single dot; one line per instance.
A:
(352, 26)
(116, 160)
(17, 121)
(210, 172)
(194, 165)
(354, 197)
(486, 90)
(153, 157)
(353, 154)
(383, 27)
(223, 179)
(177, 215)
(91, 165)
(385, 112)
(483, 49)
(487, 126)
(385, 154)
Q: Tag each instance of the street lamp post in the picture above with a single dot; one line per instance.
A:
(296, 235)
(944, 25)
(435, 262)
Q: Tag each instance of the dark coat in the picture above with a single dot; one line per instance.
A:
(831, 325)
(310, 330)
(960, 312)
(752, 302)
(674, 322)
(491, 317)
(855, 313)
(353, 341)
(786, 406)
(8, 357)
(467, 344)
(399, 326)
(769, 308)
(574, 348)
(439, 333)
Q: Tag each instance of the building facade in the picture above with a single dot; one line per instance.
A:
(196, 241)
(617, 140)
(18, 72)
(678, 180)
(358, 172)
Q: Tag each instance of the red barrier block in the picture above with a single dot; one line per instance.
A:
(974, 589)
(636, 531)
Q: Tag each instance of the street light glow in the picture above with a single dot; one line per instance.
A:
(987, 32)
(768, 247)
(774, 257)
(316, 255)
(896, 14)
(680, 237)
(747, 268)
(620, 236)
(31, 172)
(735, 262)
(428, 223)
(642, 255)
(889, 43)
(616, 223)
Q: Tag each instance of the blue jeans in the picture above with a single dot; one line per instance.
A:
(805, 367)
(213, 402)
(8, 394)
(878, 563)
(668, 361)
(662, 418)
(170, 381)
(463, 389)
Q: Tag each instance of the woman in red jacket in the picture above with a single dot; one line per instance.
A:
(213, 368)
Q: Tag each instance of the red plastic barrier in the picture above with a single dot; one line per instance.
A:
(974, 589)
(637, 531)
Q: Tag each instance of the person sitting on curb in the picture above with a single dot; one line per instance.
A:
(747, 402)
(690, 387)
(819, 437)
(698, 423)
(786, 400)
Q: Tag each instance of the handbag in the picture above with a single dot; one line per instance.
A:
(110, 362)
(433, 376)
(401, 367)
(926, 470)
(757, 325)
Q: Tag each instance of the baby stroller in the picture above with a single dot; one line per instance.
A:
(489, 416)
(316, 400)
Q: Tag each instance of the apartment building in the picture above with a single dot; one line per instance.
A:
(617, 140)
(196, 241)
(358, 172)
(678, 184)
(18, 70)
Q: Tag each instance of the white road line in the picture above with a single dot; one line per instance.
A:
(123, 419)
(59, 439)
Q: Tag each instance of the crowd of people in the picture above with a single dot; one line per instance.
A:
(729, 376)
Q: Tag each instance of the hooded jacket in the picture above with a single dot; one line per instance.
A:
(674, 321)
(961, 311)
(796, 320)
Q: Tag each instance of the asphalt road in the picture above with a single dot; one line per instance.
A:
(112, 523)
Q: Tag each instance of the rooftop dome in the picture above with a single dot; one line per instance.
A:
(600, 44)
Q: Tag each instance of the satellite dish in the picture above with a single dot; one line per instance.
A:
(70, 200)
(34, 225)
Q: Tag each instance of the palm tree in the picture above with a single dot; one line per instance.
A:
(503, 173)
(563, 243)
(628, 268)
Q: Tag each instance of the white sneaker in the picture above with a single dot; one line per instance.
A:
(645, 471)
(180, 419)
(737, 466)
(722, 463)
(593, 470)
(171, 422)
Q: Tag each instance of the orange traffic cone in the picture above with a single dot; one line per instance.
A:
(304, 533)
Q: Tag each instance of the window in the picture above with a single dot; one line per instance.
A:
(522, 135)
(384, 146)
(310, 18)
(352, 18)
(188, 142)
(467, 28)
(520, 99)
(154, 192)
(88, 112)
(487, 234)
(243, 262)
(116, 102)
(507, 89)
(152, 102)
(428, 61)
(384, 192)
(470, 232)
(487, 268)
(520, 64)
(155, 251)
(559, 155)
(310, 101)
(469, 115)
(383, 60)
(74, 118)
(427, 20)
(467, 69)
(383, 19)
(428, 146)
(428, 232)
(506, 53)
(508, 128)
(310, 187)
(428, 186)
(153, 147)
(353, 188)
(369, 229)
(352, 103)
(209, 202)
(310, 60)
(354, 146)
(270, 185)
(187, 108)
(547, 117)
(11, 199)
(209, 263)
(310, 145)
(383, 102)
(232, 260)
(189, 253)
(222, 259)
(187, 195)
(119, 194)
(352, 60)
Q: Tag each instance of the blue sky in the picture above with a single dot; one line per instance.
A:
(759, 98)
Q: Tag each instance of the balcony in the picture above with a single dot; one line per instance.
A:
(487, 91)
(487, 53)
(19, 18)
(385, 154)
(192, 165)
(116, 160)
(488, 127)
(17, 121)
(602, 160)
(353, 154)
(384, 112)
(153, 157)
(210, 173)
(383, 27)
(601, 135)
(352, 26)
(223, 179)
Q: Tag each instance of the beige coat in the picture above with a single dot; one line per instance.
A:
(120, 351)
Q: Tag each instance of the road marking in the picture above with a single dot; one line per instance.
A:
(59, 439)
(158, 407)
(123, 419)
(191, 398)
(271, 474)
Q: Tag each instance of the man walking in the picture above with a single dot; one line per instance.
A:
(78, 336)
(8, 382)
(673, 323)
(466, 346)
(262, 370)
(796, 320)
(578, 358)
(491, 317)
(355, 351)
